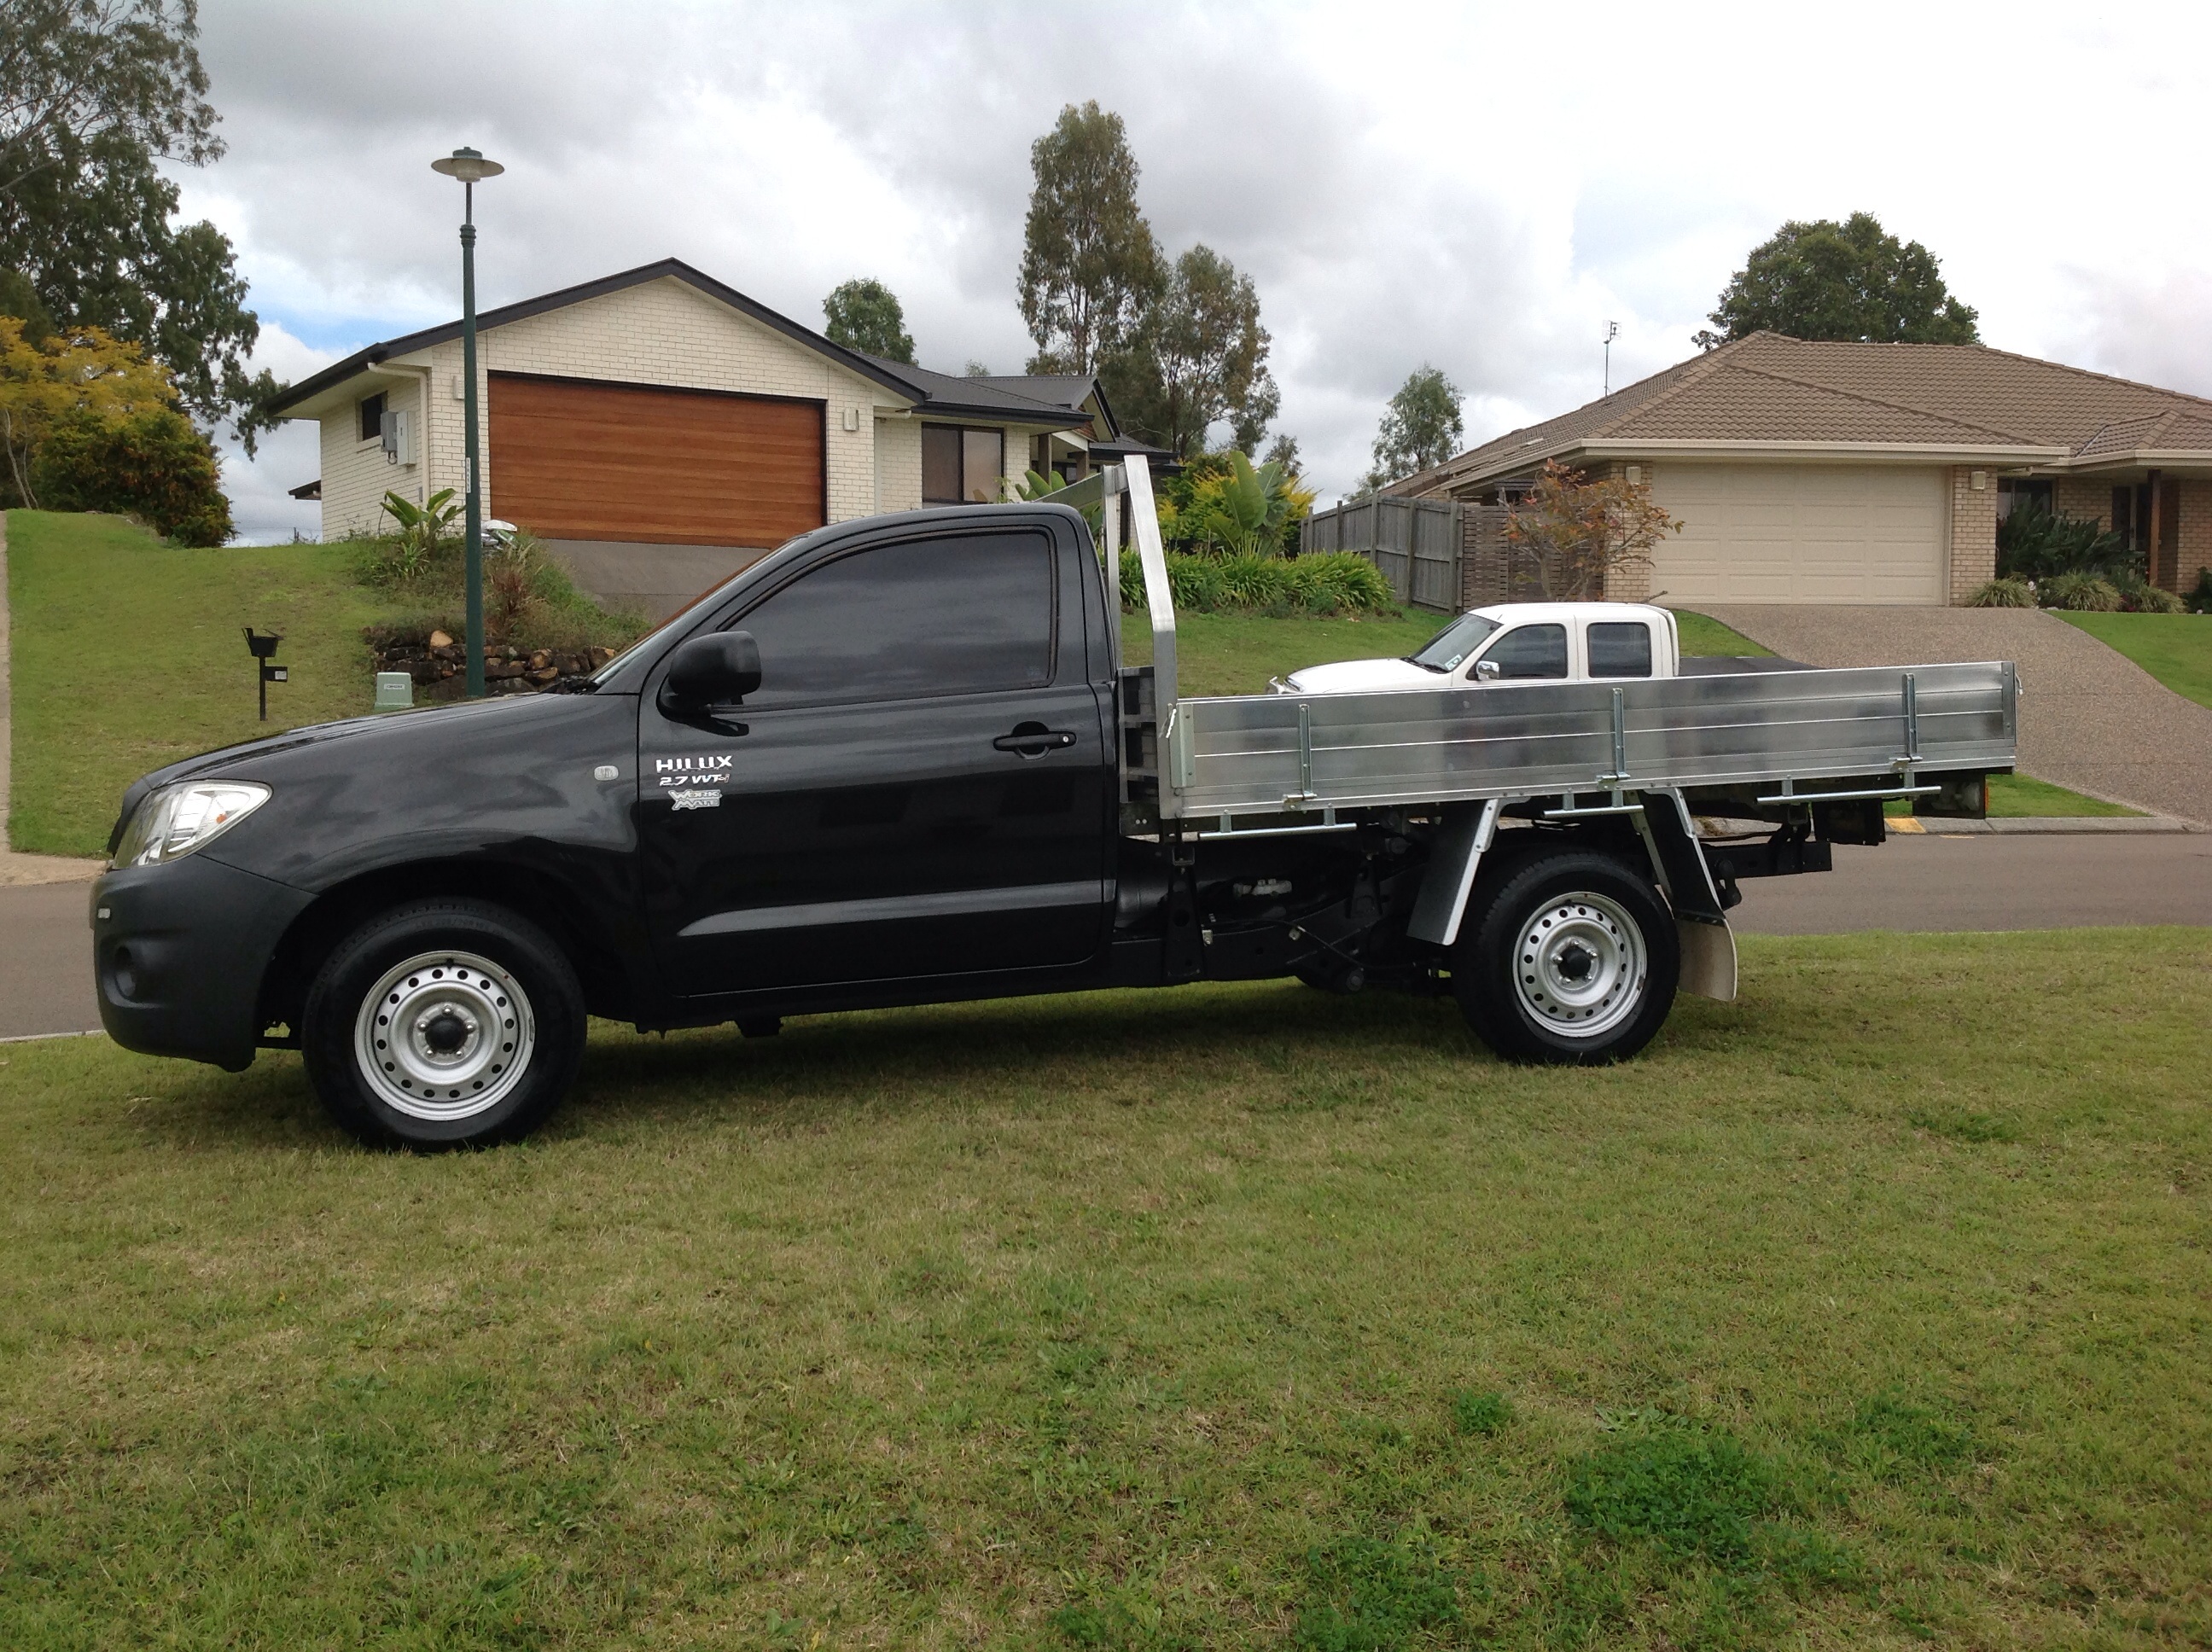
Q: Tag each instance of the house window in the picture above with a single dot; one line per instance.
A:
(372, 417)
(960, 466)
(2021, 493)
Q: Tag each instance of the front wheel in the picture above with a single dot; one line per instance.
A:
(1571, 959)
(444, 1023)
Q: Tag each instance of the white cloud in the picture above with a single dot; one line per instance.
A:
(1474, 187)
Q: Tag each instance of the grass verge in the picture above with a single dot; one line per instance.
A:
(127, 655)
(2022, 797)
(1701, 634)
(2175, 648)
(1867, 1311)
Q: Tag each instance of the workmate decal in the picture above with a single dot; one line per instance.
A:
(696, 800)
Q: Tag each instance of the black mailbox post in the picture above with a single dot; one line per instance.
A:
(264, 657)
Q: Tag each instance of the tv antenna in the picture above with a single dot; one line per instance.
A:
(1611, 332)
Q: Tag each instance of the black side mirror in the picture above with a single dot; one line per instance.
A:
(717, 670)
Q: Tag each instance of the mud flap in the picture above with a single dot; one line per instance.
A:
(1468, 829)
(1708, 958)
(1701, 921)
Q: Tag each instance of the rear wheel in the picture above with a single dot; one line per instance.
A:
(1571, 958)
(444, 1023)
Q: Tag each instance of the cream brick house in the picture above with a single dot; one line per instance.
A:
(658, 407)
(1819, 472)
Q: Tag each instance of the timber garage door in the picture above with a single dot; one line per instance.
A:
(572, 458)
(1808, 533)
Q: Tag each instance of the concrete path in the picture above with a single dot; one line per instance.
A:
(2090, 719)
(2053, 881)
(22, 868)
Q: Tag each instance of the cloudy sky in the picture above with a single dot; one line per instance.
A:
(1480, 187)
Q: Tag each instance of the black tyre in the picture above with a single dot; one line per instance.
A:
(444, 1023)
(1569, 958)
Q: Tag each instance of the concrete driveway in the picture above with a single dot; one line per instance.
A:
(654, 580)
(2090, 719)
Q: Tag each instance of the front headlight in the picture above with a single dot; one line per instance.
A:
(178, 819)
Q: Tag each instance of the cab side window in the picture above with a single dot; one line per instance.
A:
(966, 615)
(1619, 649)
(1531, 651)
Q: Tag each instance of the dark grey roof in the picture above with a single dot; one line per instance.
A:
(1055, 400)
(891, 374)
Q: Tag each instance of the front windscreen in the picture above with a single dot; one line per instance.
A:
(1449, 648)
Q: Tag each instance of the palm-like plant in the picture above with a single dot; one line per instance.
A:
(422, 529)
(1244, 511)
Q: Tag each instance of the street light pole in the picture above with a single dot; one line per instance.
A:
(469, 166)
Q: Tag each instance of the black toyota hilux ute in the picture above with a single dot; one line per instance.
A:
(896, 762)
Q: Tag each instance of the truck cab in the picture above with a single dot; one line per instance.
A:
(1510, 642)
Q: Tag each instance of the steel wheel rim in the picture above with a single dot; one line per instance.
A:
(445, 1035)
(1579, 965)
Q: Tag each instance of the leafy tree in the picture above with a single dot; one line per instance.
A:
(1197, 355)
(1090, 265)
(19, 299)
(151, 464)
(866, 315)
(95, 95)
(1284, 451)
(975, 370)
(76, 371)
(1421, 427)
(1851, 281)
(1582, 529)
(89, 424)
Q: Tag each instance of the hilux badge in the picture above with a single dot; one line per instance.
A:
(695, 799)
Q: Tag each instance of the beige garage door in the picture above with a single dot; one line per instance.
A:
(1807, 533)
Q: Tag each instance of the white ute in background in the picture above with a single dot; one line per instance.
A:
(1517, 642)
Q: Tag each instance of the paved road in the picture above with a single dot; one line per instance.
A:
(1990, 882)
(2090, 717)
(1927, 884)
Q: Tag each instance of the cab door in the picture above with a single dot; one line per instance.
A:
(918, 788)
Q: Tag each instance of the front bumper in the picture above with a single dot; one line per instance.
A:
(179, 951)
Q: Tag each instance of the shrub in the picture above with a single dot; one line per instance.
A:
(2140, 596)
(2200, 599)
(1251, 580)
(2003, 594)
(151, 465)
(2080, 593)
(2034, 544)
(1338, 582)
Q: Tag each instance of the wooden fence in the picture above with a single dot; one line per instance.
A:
(1436, 553)
(1414, 541)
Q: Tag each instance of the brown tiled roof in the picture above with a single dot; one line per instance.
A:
(1733, 403)
(1769, 388)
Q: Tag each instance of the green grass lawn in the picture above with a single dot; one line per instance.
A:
(1873, 1311)
(128, 655)
(2175, 648)
(1700, 634)
(1236, 653)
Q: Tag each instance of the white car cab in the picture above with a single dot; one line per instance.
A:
(1515, 643)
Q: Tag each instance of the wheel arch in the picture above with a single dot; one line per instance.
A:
(539, 895)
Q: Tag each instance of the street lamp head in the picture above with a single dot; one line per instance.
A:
(467, 165)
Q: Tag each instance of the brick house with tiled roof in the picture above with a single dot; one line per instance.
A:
(1810, 471)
